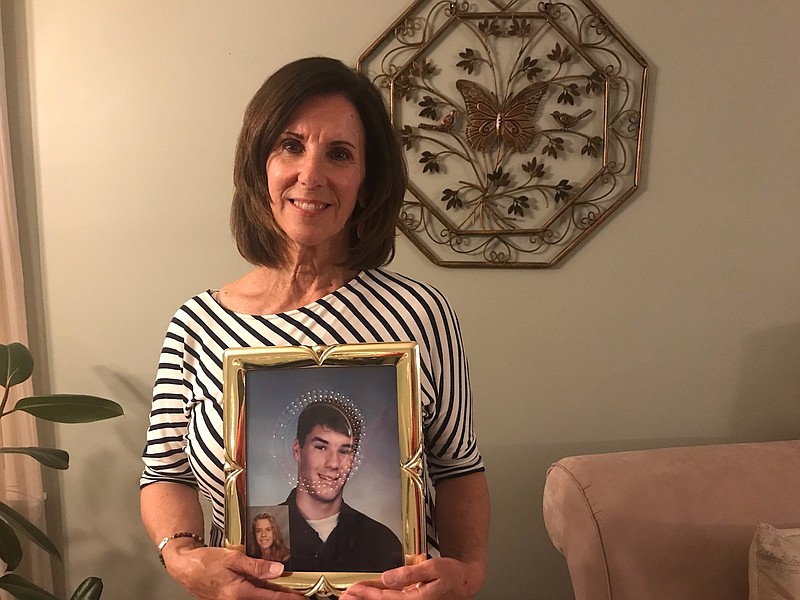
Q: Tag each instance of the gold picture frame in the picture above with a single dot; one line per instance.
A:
(375, 387)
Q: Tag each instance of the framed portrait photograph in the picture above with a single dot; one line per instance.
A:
(324, 461)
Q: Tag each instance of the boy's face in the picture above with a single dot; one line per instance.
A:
(324, 462)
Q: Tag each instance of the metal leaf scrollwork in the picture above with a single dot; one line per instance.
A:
(522, 124)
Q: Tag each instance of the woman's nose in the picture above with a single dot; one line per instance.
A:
(311, 170)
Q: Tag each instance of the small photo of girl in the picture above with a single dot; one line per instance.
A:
(267, 540)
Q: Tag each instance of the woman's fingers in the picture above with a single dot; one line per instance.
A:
(219, 574)
(434, 579)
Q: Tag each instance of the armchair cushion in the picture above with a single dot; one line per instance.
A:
(774, 563)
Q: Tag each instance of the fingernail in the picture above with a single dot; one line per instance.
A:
(275, 568)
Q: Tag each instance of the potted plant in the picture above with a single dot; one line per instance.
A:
(16, 366)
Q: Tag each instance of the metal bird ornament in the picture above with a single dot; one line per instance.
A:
(490, 121)
(567, 121)
(445, 126)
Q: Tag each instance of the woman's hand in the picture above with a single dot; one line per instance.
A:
(462, 511)
(434, 579)
(219, 574)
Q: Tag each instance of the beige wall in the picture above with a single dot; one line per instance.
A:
(678, 322)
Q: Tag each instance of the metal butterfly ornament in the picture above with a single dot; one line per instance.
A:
(489, 121)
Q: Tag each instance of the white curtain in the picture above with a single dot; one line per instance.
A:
(20, 476)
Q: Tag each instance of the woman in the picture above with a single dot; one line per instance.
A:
(268, 539)
(319, 182)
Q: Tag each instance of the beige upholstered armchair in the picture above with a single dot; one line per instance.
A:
(671, 524)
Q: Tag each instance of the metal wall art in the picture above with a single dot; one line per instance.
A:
(522, 124)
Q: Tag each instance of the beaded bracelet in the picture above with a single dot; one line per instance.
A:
(180, 534)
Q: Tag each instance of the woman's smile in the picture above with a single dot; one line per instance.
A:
(309, 206)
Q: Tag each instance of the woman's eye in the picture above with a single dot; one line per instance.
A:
(340, 154)
(292, 146)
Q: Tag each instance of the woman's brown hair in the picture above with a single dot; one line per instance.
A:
(372, 228)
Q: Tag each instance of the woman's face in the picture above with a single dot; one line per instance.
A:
(315, 172)
(264, 534)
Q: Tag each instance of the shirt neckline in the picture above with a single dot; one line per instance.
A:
(214, 293)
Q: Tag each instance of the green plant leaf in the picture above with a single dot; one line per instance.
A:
(89, 589)
(22, 525)
(49, 457)
(10, 550)
(23, 589)
(16, 364)
(69, 408)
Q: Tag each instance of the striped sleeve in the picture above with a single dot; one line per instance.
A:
(450, 444)
(453, 449)
(165, 457)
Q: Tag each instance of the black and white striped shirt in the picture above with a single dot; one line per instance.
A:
(184, 440)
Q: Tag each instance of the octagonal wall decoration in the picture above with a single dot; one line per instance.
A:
(521, 122)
